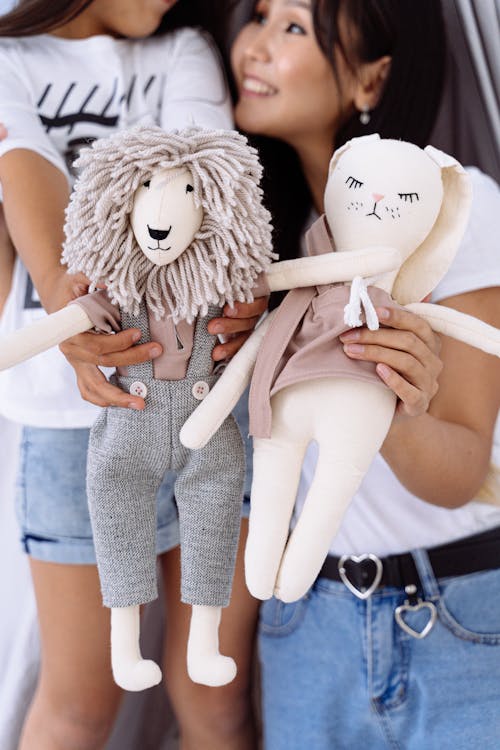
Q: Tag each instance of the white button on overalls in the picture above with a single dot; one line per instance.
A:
(138, 389)
(200, 390)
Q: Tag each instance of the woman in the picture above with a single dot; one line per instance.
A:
(72, 73)
(348, 666)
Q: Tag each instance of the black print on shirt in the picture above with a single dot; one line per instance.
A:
(31, 299)
(70, 109)
(73, 107)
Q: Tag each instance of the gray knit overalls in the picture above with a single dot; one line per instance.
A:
(129, 453)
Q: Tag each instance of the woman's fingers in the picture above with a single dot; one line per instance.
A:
(230, 347)
(406, 352)
(235, 326)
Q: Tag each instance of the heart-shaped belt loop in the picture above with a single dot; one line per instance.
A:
(360, 560)
(415, 604)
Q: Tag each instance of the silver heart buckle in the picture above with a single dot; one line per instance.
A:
(370, 567)
(415, 605)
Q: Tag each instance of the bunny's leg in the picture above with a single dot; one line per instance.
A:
(351, 420)
(276, 472)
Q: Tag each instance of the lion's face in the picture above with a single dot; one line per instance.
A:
(164, 217)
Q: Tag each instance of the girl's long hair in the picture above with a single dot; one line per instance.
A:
(31, 17)
(412, 33)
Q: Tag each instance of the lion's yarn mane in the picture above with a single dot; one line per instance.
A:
(227, 254)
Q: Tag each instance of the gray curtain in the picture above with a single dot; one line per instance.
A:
(469, 122)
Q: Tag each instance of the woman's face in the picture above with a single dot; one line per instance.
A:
(287, 88)
(127, 18)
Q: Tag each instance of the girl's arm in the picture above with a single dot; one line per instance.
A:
(35, 194)
(442, 454)
(7, 258)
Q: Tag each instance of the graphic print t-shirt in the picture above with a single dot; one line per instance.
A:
(58, 95)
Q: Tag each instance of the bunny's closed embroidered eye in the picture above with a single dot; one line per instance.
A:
(409, 197)
(352, 182)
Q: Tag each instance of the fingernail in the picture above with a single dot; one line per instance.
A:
(216, 328)
(155, 351)
(383, 313)
(133, 405)
(349, 336)
(383, 371)
(231, 312)
(354, 348)
(136, 336)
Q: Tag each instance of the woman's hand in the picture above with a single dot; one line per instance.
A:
(406, 352)
(236, 325)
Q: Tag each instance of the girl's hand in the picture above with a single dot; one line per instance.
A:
(406, 352)
(87, 351)
(236, 325)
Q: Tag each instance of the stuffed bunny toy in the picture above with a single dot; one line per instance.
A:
(381, 195)
(173, 225)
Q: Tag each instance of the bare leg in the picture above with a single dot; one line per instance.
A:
(76, 699)
(211, 718)
(351, 422)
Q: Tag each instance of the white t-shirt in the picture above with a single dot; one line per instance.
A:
(57, 95)
(383, 517)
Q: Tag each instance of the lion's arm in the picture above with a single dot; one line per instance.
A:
(42, 335)
(329, 268)
(35, 195)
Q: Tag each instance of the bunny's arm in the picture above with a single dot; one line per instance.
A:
(215, 407)
(459, 326)
(331, 267)
(42, 335)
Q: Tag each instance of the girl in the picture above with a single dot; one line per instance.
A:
(411, 662)
(72, 73)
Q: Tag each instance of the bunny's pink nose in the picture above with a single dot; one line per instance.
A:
(377, 197)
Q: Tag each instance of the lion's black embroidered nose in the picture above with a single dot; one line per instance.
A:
(158, 234)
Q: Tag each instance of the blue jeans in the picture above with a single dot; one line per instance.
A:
(340, 674)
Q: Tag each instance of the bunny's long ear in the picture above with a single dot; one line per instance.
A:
(425, 268)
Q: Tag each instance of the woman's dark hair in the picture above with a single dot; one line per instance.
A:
(31, 17)
(412, 33)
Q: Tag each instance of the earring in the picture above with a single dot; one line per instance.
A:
(365, 116)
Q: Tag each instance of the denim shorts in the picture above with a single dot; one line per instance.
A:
(339, 673)
(51, 499)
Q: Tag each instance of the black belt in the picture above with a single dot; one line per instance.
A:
(467, 555)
